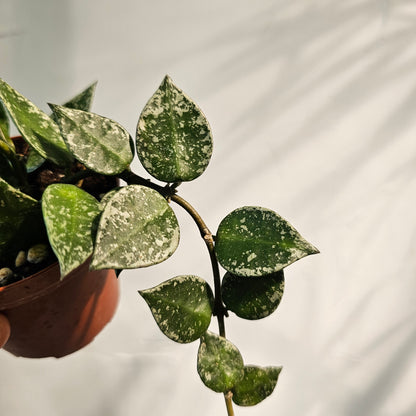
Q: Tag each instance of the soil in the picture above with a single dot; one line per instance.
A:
(39, 180)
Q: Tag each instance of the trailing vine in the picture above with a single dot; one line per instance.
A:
(134, 226)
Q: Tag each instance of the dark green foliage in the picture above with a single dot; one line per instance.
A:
(253, 297)
(134, 226)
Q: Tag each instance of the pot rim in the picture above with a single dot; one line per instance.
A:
(36, 285)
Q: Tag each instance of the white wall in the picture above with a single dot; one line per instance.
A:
(312, 105)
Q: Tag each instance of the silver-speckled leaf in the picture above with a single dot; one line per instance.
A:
(101, 144)
(70, 216)
(254, 241)
(138, 228)
(20, 220)
(219, 363)
(83, 100)
(252, 297)
(174, 141)
(106, 198)
(35, 126)
(182, 307)
(257, 384)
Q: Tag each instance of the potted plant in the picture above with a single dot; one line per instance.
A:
(41, 314)
(134, 226)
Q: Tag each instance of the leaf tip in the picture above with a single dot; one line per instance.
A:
(54, 107)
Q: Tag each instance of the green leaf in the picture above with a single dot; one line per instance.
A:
(138, 228)
(106, 198)
(254, 241)
(70, 216)
(252, 297)
(4, 125)
(219, 363)
(20, 221)
(7, 156)
(101, 144)
(35, 126)
(182, 307)
(34, 160)
(83, 100)
(257, 384)
(174, 141)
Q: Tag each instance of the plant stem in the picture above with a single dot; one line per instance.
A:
(132, 179)
(219, 308)
(76, 177)
(229, 403)
(169, 192)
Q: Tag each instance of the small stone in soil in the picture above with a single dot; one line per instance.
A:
(21, 258)
(6, 276)
(37, 253)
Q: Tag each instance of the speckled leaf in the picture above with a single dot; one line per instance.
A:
(101, 144)
(106, 198)
(252, 297)
(138, 228)
(257, 384)
(219, 363)
(34, 160)
(174, 141)
(83, 100)
(20, 220)
(35, 126)
(182, 307)
(4, 125)
(70, 216)
(254, 241)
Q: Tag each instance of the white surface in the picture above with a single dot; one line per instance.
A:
(312, 104)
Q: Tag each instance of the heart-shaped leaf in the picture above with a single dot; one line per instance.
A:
(137, 228)
(257, 384)
(35, 126)
(101, 144)
(252, 297)
(70, 216)
(174, 141)
(20, 221)
(254, 241)
(219, 363)
(182, 307)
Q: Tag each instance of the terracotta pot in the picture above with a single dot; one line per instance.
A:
(42, 316)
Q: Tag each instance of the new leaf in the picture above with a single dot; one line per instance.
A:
(219, 363)
(256, 384)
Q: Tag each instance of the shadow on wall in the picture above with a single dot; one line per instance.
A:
(351, 51)
(355, 52)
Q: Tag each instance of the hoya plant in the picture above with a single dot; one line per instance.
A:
(134, 225)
